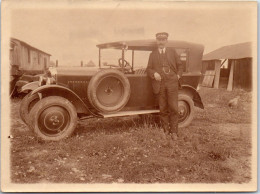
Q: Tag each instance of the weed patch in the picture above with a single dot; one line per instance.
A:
(215, 148)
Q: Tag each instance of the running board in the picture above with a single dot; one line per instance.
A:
(129, 113)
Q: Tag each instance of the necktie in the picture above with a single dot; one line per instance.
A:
(162, 57)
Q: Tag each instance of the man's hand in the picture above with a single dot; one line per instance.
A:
(178, 77)
(157, 76)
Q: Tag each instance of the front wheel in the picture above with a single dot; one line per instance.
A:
(185, 110)
(26, 105)
(53, 118)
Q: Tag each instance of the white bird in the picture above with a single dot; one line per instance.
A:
(233, 102)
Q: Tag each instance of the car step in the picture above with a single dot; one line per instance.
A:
(129, 113)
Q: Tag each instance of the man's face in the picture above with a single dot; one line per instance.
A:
(161, 43)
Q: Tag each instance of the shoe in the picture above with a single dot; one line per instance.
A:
(164, 137)
(174, 137)
(170, 142)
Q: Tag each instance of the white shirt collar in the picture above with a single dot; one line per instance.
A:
(160, 50)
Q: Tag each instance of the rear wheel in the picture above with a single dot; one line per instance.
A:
(185, 110)
(53, 118)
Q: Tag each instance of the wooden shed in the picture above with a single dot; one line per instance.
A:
(26, 58)
(229, 65)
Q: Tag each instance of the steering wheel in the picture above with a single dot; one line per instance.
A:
(126, 63)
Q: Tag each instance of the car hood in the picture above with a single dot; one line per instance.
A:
(75, 71)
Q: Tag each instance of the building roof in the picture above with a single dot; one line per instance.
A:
(148, 45)
(235, 51)
(27, 45)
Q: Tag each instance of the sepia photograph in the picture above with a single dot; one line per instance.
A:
(121, 96)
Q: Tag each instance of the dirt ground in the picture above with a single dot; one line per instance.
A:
(215, 148)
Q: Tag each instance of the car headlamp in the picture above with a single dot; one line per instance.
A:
(41, 80)
(48, 81)
(52, 74)
(52, 71)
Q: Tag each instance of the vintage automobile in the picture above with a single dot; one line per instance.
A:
(57, 100)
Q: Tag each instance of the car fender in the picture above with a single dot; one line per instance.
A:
(29, 86)
(189, 90)
(57, 90)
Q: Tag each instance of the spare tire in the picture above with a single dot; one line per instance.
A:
(109, 90)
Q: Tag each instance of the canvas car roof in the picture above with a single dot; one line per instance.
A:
(149, 45)
(195, 50)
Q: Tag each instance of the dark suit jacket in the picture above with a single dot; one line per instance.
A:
(154, 65)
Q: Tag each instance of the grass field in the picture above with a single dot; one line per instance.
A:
(215, 148)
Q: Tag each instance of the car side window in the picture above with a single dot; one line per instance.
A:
(183, 54)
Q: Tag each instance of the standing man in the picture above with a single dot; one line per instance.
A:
(165, 70)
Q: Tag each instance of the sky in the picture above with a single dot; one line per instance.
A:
(71, 35)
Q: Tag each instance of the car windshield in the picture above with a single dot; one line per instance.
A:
(110, 57)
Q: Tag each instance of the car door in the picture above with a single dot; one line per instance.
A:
(142, 96)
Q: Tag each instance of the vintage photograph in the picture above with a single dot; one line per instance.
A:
(128, 96)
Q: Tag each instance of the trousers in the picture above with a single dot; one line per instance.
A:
(168, 104)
